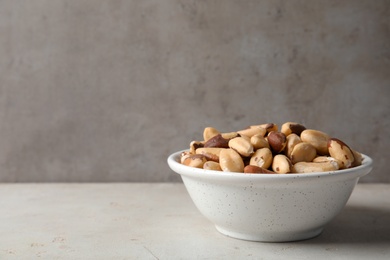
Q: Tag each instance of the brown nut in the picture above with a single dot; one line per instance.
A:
(303, 152)
(252, 130)
(281, 164)
(242, 146)
(292, 128)
(209, 132)
(195, 145)
(317, 139)
(262, 158)
(259, 141)
(340, 151)
(217, 141)
(292, 140)
(307, 167)
(213, 166)
(277, 141)
(231, 161)
(255, 169)
(195, 160)
(211, 153)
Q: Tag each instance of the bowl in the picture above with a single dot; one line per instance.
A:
(269, 207)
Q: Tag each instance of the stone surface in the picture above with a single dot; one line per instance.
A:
(159, 221)
(106, 90)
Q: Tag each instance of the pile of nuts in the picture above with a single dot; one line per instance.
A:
(264, 149)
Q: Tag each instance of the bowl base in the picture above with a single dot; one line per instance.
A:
(283, 237)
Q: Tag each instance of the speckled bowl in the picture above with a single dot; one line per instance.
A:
(269, 207)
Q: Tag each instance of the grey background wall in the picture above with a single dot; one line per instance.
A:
(106, 90)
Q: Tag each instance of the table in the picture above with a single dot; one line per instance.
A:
(159, 221)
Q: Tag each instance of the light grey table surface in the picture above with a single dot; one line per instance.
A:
(159, 221)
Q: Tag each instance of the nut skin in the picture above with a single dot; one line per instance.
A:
(317, 139)
(308, 167)
(277, 141)
(252, 169)
(242, 146)
(340, 151)
(195, 145)
(303, 152)
(262, 158)
(292, 128)
(217, 141)
(231, 161)
(281, 164)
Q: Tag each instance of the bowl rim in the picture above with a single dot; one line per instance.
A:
(176, 166)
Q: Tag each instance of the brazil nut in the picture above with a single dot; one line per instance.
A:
(316, 138)
(209, 132)
(292, 128)
(307, 167)
(303, 152)
(277, 141)
(230, 161)
(281, 164)
(242, 146)
(340, 151)
(262, 158)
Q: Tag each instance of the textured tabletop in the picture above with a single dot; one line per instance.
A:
(159, 221)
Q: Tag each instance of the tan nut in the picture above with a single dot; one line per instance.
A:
(252, 169)
(340, 151)
(303, 152)
(242, 146)
(252, 130)
(281, 164)
(277, 141)
(209, 132)
(292, 140)
(217, 141)
(262, 158)
(211, 153)
(231, 161)
(307, 167)
(327, 159)
(259, 141)
(358, 158)
(292, 128)
(213, 166)
(195, 160)
(184, 155)
(317, 139)
(269, 127)
(230, 135)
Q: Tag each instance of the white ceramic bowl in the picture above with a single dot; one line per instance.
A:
(269, 207)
